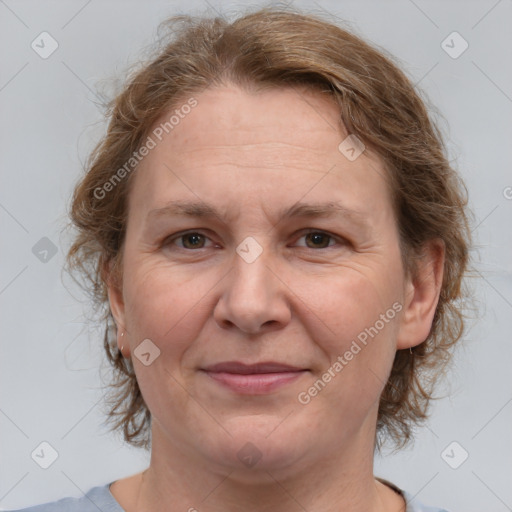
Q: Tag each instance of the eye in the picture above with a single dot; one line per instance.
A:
(318, 239)
(190, 240)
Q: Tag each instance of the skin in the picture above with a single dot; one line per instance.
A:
(302, 302)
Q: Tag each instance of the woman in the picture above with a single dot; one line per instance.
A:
(279, 241)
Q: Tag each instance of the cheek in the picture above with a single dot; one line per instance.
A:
(164, 304)
(355, 328)
(348, 303)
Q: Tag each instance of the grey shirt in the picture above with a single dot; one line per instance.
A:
(101, 499)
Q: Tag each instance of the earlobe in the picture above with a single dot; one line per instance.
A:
(422, 296)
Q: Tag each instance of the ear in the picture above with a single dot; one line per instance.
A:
(422, 296)
(116, 301)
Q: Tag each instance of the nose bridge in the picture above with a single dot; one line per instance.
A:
(251, 271)
(252, 297)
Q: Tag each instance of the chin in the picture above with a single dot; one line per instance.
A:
(259, 445)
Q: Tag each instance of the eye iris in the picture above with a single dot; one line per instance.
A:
(196, 237)
(317, 239)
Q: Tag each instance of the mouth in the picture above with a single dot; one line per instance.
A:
(253, 379)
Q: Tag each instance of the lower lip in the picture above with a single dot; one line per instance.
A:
(255, 383)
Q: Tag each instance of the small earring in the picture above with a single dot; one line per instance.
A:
(410, 350)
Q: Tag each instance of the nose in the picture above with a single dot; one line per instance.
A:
(253, 298)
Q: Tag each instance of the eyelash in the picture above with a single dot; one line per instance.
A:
(168, 240)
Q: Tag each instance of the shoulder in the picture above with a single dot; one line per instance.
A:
(413, 505)
(97, 498)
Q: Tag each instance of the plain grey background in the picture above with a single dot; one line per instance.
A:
(51, 388)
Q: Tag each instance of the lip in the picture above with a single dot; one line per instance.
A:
(246, 369)
(253, 379)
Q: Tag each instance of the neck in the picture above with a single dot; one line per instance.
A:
(341, 481)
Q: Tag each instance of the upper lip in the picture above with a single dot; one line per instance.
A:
(246, 369)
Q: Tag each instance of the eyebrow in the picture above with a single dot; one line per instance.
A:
(200, 209)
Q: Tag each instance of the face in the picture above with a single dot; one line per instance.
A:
(268, 322)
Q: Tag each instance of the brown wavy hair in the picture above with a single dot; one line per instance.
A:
(377, 102)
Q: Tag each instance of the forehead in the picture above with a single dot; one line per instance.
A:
(277, 141)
